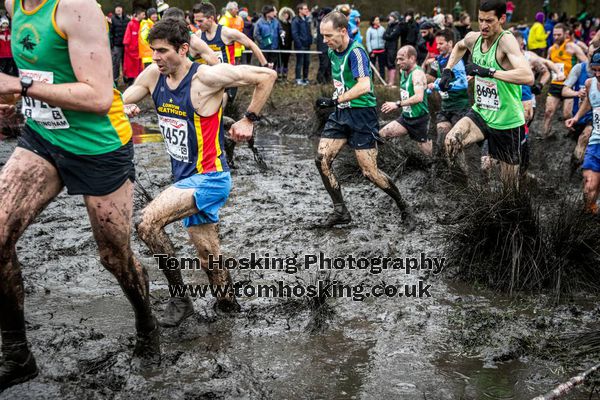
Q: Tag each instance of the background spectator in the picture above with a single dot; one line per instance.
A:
(324, 73)
(132, 64)
(536, 41)
(376, 45)
(118, 25)
(391, 35)
(266, 33)
(510, 7)
(7, 63)
(286, 15)
(302, 40)
(145, 26)
(354, 26)
(248, 31)
(232, 20)
(464, 25)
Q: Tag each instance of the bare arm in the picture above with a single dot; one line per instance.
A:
(233, 35)
(419, 84)
(584, 107)
(143, 85)
(199, 48)
(577, 52)
(521, 74)
(363, 86)
(215, 79)
(461, 48)
(84, 25)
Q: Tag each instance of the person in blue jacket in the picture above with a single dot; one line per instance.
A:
(302, 38)
(266, 33)
(354, 26)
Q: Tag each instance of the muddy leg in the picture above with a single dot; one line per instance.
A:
(206, 240)
(110, 217)
(328, 150)
(551, 106)
(591, 189)
(27, 184)
(464, 133)
(171, 205)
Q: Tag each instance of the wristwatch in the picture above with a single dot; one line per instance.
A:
(252, 116)
(492, 72)
(26, 82)
(399, 103)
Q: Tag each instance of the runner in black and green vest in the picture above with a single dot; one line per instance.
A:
(499, 68)
(354, 120)
(76, 136)
(414, 119)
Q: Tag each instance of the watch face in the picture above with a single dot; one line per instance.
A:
(27, 81)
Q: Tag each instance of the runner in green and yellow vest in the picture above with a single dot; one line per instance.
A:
(354, 120)
(414, 119)
(499, 68)
(76, 136)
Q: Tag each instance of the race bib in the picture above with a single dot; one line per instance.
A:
(596, 119)
(405, 96)
(486, 94)
(175, 134)
(44, 114)
(435, 65)
(561, 69)
(339, 90)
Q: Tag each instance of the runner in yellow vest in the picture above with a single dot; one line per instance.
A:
(499, 68)
(564, 54)
(232, 20)
(145, 26)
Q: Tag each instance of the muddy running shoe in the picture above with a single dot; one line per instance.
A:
(13, 371)
(147, 349)
(336, 218)
(228, 305)
(408, 220)
(177, 310)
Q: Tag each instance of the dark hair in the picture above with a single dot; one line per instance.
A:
(267, 9)
(174, 30)
(410, 12)
(446, 34)
(372, 20)
(174, 12)
(138, 10)
(497, 6)
(338, 19)
(208, 9)
(300, 6)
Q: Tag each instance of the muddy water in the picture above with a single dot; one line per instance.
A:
(462, 342)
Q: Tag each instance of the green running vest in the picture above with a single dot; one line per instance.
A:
(41, 51)
(497, 102)
(407, 90)
(343, 80)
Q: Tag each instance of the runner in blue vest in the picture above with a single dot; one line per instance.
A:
(354, 120)
(591, 162)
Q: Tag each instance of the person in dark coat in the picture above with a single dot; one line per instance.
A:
(324, 74)
(391, 36)
(118, 25)
(286, 15)
(302, 37)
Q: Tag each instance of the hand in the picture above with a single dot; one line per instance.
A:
(9, 85)
(131, 110)
(388, 106)
(453, 146)
(537, 88)
(560, 77)
(446, 79)
(430, 86)
(242, 130)
(10, 120)
(326, 102)
(570, 122)
(477, 70)
(582, 93)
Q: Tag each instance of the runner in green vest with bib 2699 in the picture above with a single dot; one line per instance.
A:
(354, 120)
(499, 68)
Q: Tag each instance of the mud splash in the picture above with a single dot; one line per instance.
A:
(463, 342)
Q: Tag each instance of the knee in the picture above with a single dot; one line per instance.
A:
(548, 112)
(114, 257)
(368, 174)
(320, 161)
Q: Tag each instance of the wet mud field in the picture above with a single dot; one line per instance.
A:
(463, 342)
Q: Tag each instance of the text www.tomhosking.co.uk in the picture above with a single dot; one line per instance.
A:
(329, 288)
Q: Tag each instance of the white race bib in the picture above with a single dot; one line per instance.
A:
(44, 114)
(596, 119)
(339, 90)
(175, 134)
(486, 94)
(561, 68)
(405, 96)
